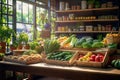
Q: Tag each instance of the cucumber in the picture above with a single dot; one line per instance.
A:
(113, 62)
(116, 64)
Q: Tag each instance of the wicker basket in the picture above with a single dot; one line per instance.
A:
(63, 63)
(91, 63)
(113, 39)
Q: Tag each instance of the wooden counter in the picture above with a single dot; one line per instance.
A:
(74, 73)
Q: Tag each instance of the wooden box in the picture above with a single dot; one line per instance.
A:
(60, 62)
(92, 63)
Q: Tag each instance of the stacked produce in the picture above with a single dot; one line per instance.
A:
(111, 38)
(60, 55)
(27, 57)
(88, 43)
(90, 56)
(116, 63)
(50, 46)
(84, 42)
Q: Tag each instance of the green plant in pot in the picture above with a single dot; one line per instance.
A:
(14, 46)
(6, 34)
(34, 45)
(22, 39)
(90, 3)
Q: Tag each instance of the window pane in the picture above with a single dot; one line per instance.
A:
(29, 30)
(4, 9)
(19, 9)
(20, 27)
(4, 1)
(30, 13)
(10, 19)
(10, 10)
(4, 18)
(10, 2)
(19, 6)
(25, 13)
(10, 25)
(25, 28)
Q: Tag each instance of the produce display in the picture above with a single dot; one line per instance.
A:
(28, 57)
(91, 57)
(84, 42)
(60, 55)
(116, 63)
(50, 46)
(111, 38)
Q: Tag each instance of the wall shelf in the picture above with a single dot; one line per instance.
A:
(84, 10)
(67, 32)
(96, 20)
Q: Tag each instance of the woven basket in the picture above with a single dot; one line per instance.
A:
(113, 39)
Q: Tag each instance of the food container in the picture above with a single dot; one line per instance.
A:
(103, 63)
(60, 62)
(89, 28)
(67, 6)
(62, 6)
(71, 16)
(83, 4)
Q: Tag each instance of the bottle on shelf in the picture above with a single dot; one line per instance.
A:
(83, 4)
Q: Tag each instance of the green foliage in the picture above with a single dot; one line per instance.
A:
(33, 45)
(6, 33)
(97, 45)
(22, 38)
(51, 45)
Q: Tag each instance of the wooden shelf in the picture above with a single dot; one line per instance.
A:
(65, 32)
(96, 20)
(94, 9)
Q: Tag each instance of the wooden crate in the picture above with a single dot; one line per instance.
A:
(63, 63)
(91, 63)
(9, 59)
(83, 49)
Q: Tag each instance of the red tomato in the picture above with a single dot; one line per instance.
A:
(93, 57)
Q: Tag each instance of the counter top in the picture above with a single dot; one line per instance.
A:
(69, 72)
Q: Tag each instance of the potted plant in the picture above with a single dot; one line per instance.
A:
(1, 56)
(14, 46)
(33, 45)
(22, 39)
(5, 36)
(90, 3)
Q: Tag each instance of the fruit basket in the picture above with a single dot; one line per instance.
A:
(62, 57)
(24, 59)
(91, 59)
(113, 38)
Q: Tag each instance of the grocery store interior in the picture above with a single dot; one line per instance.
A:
(59, 40)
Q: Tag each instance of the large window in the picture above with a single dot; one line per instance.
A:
(6, 13)
(24, 15)
(41, 19)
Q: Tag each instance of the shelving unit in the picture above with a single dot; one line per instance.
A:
(94, 9)
(67, 32)
(94, 22)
